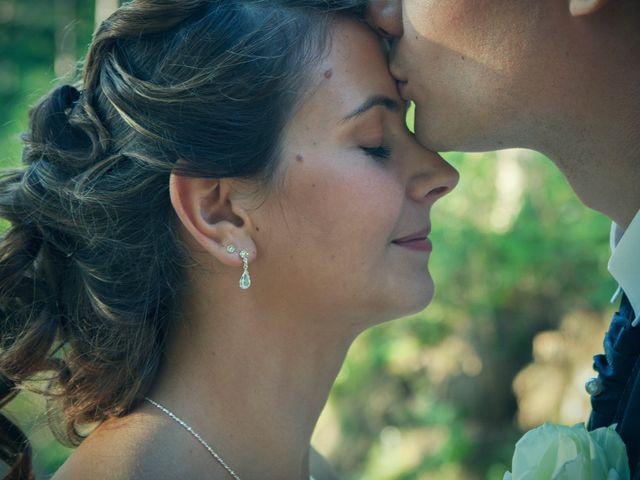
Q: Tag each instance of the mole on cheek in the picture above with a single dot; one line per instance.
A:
(299, 157)
(328, 73)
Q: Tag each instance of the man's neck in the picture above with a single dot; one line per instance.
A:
(600, 156)
(592, 130)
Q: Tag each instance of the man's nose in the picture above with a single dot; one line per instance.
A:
(385, 16)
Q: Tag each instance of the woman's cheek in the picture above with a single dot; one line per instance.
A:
(343, 195)
(369, 198)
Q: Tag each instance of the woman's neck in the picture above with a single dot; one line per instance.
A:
(252, 382)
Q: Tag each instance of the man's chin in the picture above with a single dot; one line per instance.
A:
(427, 137)
(445, 137)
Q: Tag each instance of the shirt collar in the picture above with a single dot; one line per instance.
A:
(624, 263)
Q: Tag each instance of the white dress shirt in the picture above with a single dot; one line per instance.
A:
(624, 263)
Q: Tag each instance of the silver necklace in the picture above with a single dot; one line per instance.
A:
(198, 437)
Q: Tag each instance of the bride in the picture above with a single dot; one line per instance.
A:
(200, 231)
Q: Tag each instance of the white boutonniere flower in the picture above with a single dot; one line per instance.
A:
(559, 452)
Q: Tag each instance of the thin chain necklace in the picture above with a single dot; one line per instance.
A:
(198, 437)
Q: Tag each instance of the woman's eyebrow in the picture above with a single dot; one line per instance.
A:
(374, 101)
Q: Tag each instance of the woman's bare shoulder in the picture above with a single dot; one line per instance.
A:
(121, 449)
(131, 448)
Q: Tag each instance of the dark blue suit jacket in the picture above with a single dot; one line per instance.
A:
(619, 373)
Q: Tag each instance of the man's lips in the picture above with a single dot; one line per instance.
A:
(403, 87)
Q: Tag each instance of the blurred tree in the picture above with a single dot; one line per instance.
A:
(104, 8)
(65, 36)
(39, 41)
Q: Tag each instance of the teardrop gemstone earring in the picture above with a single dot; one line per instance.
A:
(245, 279)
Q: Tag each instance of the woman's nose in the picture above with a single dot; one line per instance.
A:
(385, 16)
(433, 177)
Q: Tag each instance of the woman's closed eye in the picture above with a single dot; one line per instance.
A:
(380, 152)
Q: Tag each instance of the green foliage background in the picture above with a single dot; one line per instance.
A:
(423, 397)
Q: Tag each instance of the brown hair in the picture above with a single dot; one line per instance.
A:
(91, 268)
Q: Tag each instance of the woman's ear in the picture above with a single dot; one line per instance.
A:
(205, 208)
(585, 7)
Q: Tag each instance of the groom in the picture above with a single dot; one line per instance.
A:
(558, 76)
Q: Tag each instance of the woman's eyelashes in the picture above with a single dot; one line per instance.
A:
(380, 152)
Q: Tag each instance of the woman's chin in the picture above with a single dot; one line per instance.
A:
(411, 299)
(421, 302)
(417, 293)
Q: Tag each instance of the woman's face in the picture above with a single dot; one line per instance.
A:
(353, 184)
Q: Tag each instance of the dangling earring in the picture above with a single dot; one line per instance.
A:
(245, 279)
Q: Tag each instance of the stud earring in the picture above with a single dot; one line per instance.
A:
(245, 279)
(231, 248)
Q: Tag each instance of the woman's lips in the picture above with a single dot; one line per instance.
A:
(417, 241)
(420, 245)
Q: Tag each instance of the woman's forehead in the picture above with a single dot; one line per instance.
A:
(354, 70)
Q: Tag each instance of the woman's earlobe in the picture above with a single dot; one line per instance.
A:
(580, 8)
